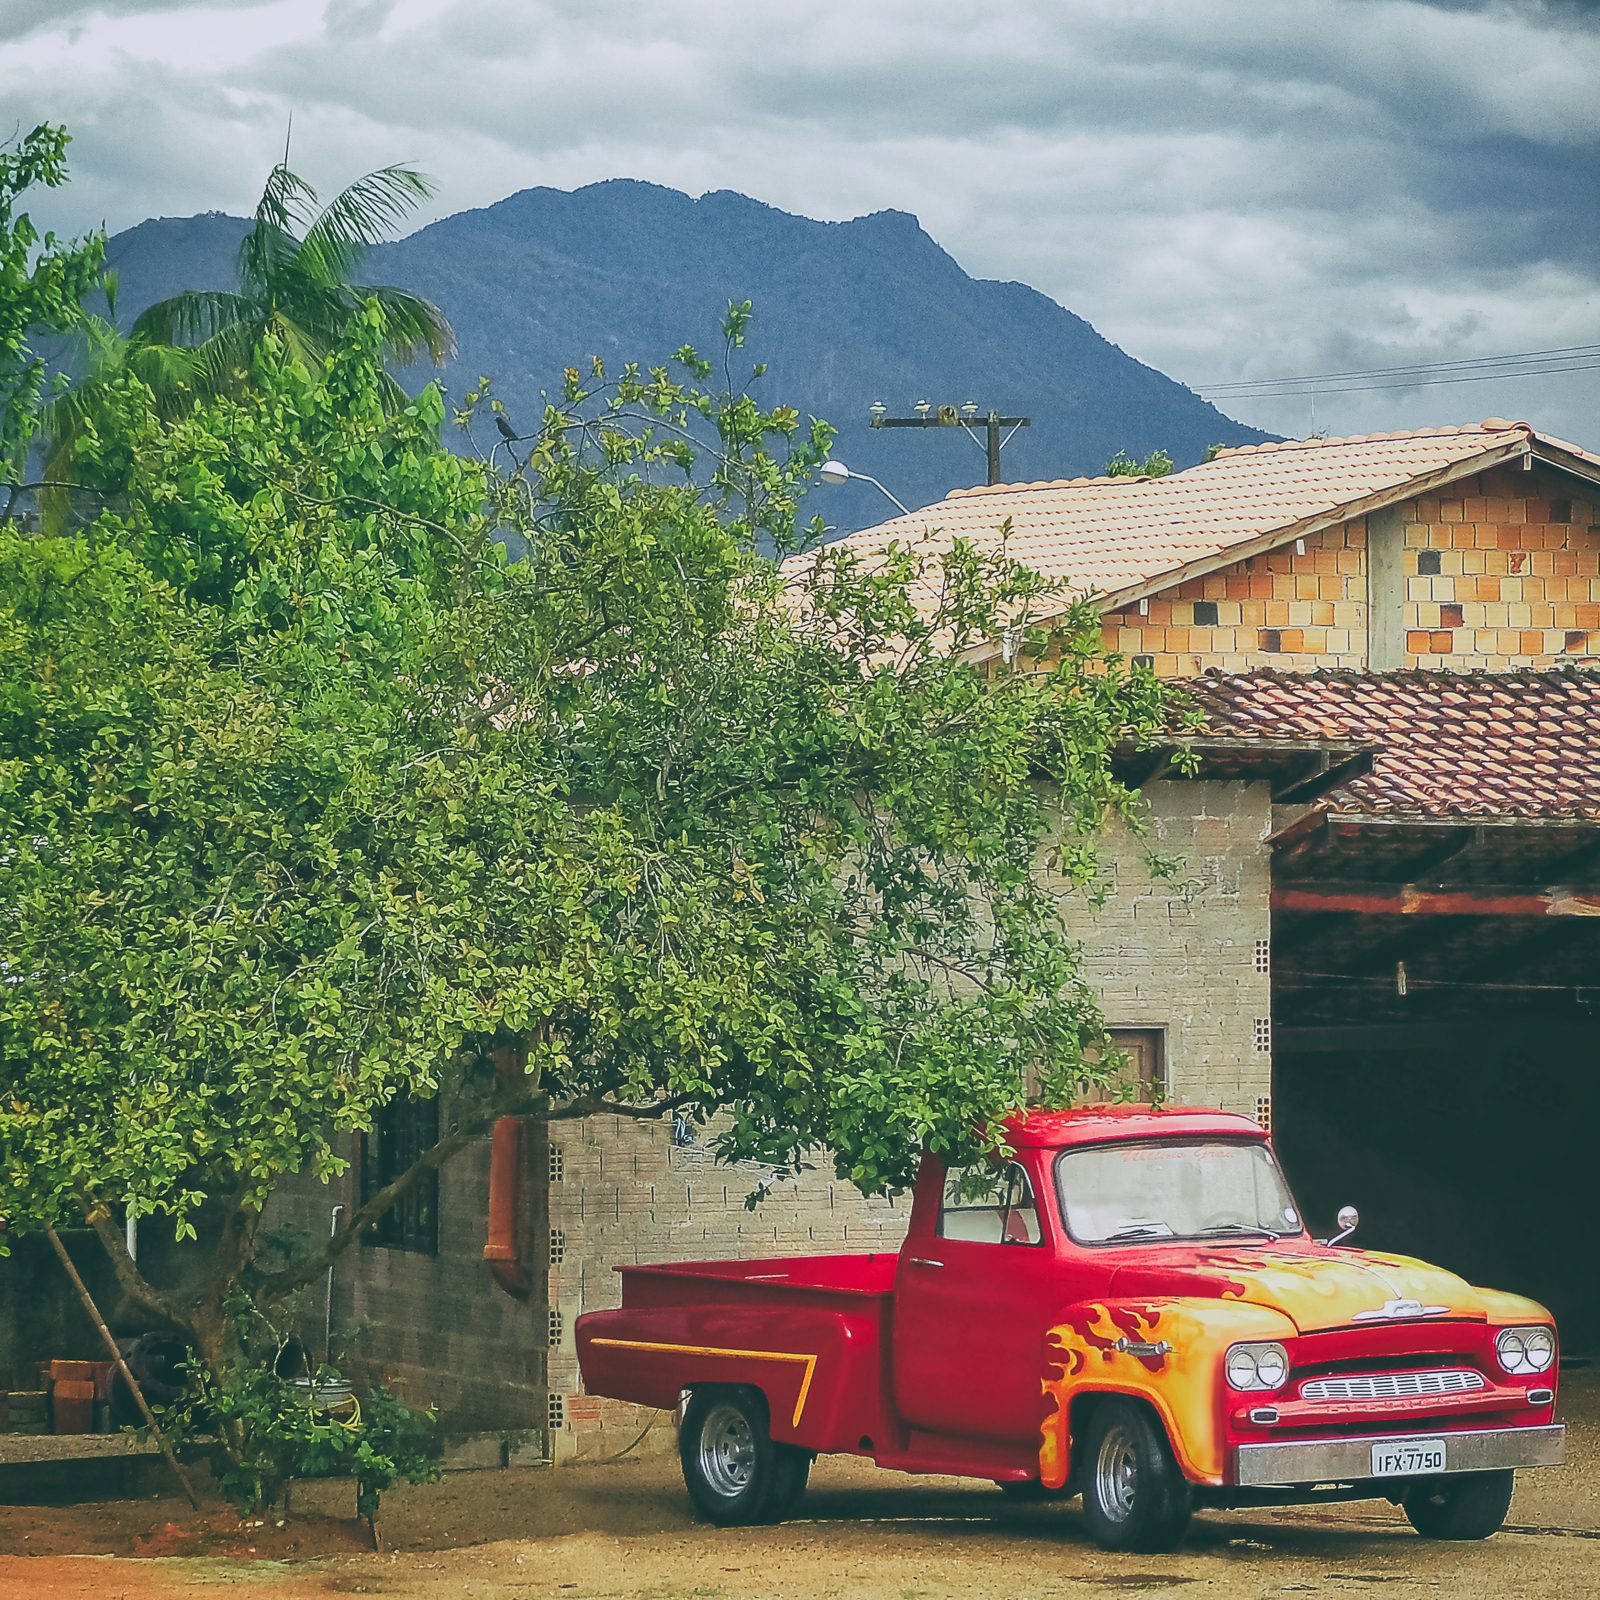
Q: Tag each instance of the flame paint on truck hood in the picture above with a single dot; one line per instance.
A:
(1316, 1289)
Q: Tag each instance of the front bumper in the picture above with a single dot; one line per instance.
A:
(1295, 1461)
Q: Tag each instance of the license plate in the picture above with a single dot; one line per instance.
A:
(1407, 1458)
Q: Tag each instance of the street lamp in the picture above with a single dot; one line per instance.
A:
(836, 472)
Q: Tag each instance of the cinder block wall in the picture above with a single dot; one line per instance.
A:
(436, 1322)
(1517, 584)
(1191, 955)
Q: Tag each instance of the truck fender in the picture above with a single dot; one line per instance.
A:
(1167, 1353)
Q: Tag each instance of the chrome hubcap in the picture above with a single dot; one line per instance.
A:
(1116, 1474)
(727, 1451)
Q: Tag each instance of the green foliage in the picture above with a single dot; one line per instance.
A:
(40, 288)
(307, 797)
(294, 270)
(268, 1432)
(1155, 465)
(1215, 450)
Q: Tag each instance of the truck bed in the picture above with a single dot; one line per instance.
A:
(810, 1331)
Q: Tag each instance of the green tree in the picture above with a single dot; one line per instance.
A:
(1155, 465)
(70, 420)
(294, 270)
(42, 285)
(307, 798)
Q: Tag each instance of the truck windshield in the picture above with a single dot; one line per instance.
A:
(1174, 1189)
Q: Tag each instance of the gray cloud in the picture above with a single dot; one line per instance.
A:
(1227, 188)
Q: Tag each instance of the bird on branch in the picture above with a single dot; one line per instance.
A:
(506, 430)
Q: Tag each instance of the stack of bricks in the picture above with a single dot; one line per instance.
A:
(1502, 570)
(72, 1396)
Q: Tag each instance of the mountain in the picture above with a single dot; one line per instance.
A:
(846, 313)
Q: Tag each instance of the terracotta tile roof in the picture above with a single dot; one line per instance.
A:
(1118, 537)
(1471, 744)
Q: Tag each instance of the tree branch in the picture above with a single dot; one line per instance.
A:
(522, 1102)
(129, 1279)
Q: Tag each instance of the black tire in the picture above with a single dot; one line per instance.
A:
(1471, 1505)
(1032, 1489)
(1134, 1496)
(793, 1473)
(732, 1469)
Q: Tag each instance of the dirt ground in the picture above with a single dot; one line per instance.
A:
(625, 1532)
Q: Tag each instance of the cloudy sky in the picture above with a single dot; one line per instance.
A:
(1229, 189)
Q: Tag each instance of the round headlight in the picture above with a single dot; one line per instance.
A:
(1538, 1349)
(1524, 1350)
(1271, 1367)
(1257, 1366)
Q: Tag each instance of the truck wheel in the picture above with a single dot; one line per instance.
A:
(731, 1467)
(1471, 1506)
(1134, 1496)
(789, 1489)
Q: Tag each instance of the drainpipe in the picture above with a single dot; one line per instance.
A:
(327, 1317)
(505, 1179)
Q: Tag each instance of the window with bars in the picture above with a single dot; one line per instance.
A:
(1264, 1111)
(558, 1164)
(556, 1414)
(1263, 955)
(555, 1330)
(558, 1247)
(401, 1132)
(1263, 1033)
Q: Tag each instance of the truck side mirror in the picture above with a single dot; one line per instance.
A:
(1349, 1221)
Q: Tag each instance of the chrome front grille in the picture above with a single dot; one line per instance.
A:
(1394, 1385)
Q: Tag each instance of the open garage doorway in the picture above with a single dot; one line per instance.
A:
(1436, 1063)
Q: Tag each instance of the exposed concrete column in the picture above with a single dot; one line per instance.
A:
(1386, 589)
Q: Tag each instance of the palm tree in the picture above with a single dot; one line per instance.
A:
(68, 418)
(294, 275)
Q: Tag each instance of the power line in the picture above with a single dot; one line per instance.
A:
(1527, 363)
(1407, 383)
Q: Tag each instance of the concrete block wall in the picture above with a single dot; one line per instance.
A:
(1191, 956)
(436, 1323)
(1517, 585)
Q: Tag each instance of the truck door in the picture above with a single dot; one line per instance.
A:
(971, 1299)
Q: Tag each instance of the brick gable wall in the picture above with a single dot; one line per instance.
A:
(1517, 585)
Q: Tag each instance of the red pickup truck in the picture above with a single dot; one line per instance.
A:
(1131, 1310)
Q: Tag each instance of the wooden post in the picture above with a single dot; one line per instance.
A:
(121, 1365)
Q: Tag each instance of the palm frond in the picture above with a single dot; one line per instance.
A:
(193, 317)
(360, 217)
(222, 363)
(169, 372)
(303, 340)
(411, 324)
(288, 206)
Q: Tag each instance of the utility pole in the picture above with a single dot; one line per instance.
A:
(957, 417)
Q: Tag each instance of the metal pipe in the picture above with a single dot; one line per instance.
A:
(327, 1309)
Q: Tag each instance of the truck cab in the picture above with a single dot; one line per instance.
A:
(1128, 1306)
